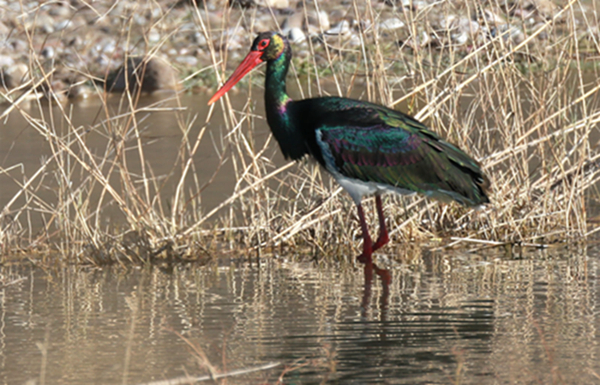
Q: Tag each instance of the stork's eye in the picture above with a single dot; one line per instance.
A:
(263, 44)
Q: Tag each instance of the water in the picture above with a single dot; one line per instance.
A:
(23, 150)
(445, 318)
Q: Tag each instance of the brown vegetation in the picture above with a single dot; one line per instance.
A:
(526, 108)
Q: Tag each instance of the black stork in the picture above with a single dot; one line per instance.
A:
(368, 148)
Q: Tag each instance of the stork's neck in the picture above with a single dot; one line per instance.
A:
(280, 114)
(276, 97)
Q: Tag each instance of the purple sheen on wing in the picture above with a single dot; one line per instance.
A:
(403, 155)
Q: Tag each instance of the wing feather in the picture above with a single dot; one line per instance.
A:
(375, 144)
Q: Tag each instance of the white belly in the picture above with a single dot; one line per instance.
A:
(359, 189)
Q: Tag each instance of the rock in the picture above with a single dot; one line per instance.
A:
(153, 36)
(199, 39)
(242, 3)
(60, 9)
(187, 60)
(296, 20)
(509, 33)
(47, 52)
(149, 75)
(460, 28)
(391, 24)
(337, 15)
(312, 23)
(491, 17)
(321, 19)
(42, 23)
(342, 28)
(296, 35)
(79, 91)
(102, 60)
(72, 41)
(354, 41)
(63, 24)
(422, 39)
(6, 61)
(18, 45)
(279, 4)
(14, 76)
(140, 19)
(105, 46)
(545, 9)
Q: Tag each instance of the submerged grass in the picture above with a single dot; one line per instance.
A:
(528, 110)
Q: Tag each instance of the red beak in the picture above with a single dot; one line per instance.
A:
(250, 61)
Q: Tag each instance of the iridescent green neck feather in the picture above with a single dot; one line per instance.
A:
(276, 97)
(278, 107)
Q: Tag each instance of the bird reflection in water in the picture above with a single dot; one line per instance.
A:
(386, 279)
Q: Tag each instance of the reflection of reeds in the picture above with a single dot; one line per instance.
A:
(463, 315)
(526, 110)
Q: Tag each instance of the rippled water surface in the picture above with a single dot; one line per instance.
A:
(445, 318)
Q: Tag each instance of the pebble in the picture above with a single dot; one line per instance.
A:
(274, 3)
(199, 38)
(296, 20)
(153, 36)
(63, 24)
(62, 10)
(41, 23)
(492, 17)
(342, 28)
(460, 28)
(510, 33)
(296, 35)
(423, 39)
(47, 52)
(187, 60)
(79, 91)
(15, 75)
(18, 45)
(317, 22)
(6, 61)
(391, 24)
(89, 39)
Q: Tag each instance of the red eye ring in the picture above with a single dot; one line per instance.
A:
(263, 43)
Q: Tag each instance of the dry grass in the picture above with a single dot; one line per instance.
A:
(527, 110)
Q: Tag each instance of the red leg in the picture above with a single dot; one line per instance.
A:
(368, 248)
(365, 257)
(383, 234)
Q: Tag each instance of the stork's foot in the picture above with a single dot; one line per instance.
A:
(368, 246)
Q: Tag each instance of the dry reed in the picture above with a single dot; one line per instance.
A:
(528, 111)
